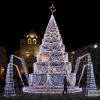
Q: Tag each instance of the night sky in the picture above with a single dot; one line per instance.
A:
(78, 22)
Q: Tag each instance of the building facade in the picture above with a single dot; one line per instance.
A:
(3, 61)
(29, 47)
(94, 50)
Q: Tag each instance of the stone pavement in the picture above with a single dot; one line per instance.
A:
(41, 96)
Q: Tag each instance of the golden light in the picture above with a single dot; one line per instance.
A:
(29, 41)
(54, 70)
(34, 41)
(35, 54)
(27, 54)
(2, 69)
(73, 52)
(27, 36)
(22, 71)
(45, 58)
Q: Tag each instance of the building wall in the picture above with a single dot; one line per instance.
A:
(3, 61)
(80, 52)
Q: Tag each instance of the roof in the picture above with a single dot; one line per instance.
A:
(32, 34)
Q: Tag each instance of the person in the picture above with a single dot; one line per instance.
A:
(20, 85)
(3, 83)
(0, 84)
(15, 84)
(65, 85)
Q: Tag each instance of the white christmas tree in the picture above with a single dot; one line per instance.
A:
(91, 84)
(9, 88)
(52, 58)
(52, 62)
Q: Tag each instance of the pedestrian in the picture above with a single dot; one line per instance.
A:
(15, 84)
(3, 83)
(20, 86)
(65, 85)
(0, 84)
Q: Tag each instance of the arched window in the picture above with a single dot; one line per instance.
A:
(29, 41)
(34, 41)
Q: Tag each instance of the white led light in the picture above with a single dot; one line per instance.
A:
(9, 88)
(95, 46)
(52, 65)
(91, 84)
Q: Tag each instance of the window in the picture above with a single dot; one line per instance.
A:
(84, 64)
(80, 68)
(88, 48)
(34, 41)
(98, 54)
(97, 64)
(32, 51)
(29, 41)
(73, 66)
(0, 51)
(73, 52)
(71, 58)
(83, 50)
(27, 54)
(84, 59)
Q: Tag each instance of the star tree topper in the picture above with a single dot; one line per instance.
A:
(52, 9)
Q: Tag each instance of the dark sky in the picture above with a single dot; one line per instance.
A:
(78, 22)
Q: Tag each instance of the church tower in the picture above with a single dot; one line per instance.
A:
(29, 47)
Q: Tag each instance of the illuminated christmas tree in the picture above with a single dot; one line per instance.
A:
(52, 62)
(91, 84)
(9, 88)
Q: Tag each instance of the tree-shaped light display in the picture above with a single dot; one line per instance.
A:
(52, 62)
(9, 88)
(91, 84)
(52, 59)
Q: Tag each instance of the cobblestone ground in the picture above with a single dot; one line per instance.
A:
(41, 96)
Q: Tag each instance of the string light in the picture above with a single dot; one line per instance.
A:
(9, 88)
(91, 84)
(52, 65)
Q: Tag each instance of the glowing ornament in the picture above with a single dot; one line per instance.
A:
(68, 67)
(72, 79)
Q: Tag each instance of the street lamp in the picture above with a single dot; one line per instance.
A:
(95, 46)
(2, 70)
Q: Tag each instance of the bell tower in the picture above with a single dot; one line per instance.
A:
(29, 47)
(32, 37)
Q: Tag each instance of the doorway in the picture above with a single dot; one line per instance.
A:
(30, 69)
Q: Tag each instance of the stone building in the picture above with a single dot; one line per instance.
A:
(94, 50)
(29, 47)
(3, 61)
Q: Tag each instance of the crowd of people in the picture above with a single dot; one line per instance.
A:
(17, 85)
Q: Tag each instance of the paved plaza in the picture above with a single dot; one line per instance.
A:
(41, 96)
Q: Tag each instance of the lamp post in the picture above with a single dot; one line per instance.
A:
(2, 70)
